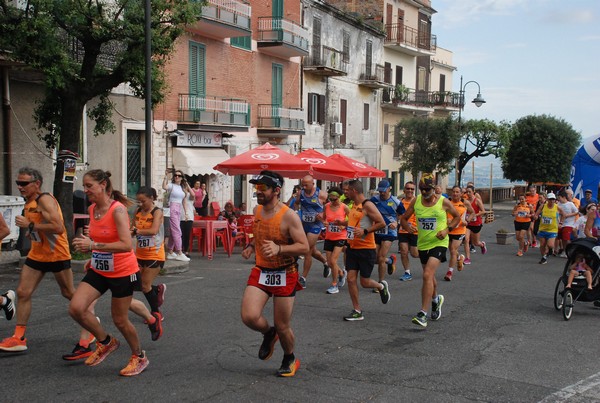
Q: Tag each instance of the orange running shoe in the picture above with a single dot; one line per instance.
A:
(289, 369)
(136, 365)
(102, 351)
(13, 344)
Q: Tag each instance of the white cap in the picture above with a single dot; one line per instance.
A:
(551, 196)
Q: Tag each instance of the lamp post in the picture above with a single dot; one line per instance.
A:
(478, 101)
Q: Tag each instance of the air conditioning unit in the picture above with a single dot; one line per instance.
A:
(336, 129)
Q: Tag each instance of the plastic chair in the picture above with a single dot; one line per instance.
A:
(216, 209)
(245, 223)
(197, 234)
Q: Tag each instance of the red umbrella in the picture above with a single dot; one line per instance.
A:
(265, 157)
(325, 168)
(361, 169)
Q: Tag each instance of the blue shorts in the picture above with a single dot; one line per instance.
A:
(312, 228)
(547, 235)
(383, 238)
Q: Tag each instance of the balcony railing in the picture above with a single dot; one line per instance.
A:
(428, 99)
(213, 110)
(278, 30)
(272, 116)
(326, 61)
(230, 12)
(400, 34)
(373, 76)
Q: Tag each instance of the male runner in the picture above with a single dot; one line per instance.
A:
(387, 206)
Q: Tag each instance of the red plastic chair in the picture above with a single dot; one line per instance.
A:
(216, 210)
(197, 234)
(245, 223)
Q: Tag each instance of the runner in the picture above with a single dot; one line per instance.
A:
(522, 212)
(6, 299)
(310, 201)
(387, 206)
(49, 253)
(533, 198)
(113, 267)
(335, 216)
(566, 225)
(457, 235)
(407, 241)
(474, 226)
(364, 219)
(548, 213)
(431, 212)
(278, 240)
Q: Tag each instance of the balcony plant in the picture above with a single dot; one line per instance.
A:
(401, 93)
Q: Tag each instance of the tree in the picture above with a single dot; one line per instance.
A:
(482, 138)
(84, 49)
(427, 145)
(540, 150)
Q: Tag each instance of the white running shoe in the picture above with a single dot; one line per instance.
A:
(171, 255)
(182, 258)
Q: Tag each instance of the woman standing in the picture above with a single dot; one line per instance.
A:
(177, 193)
(200, 198)
(187, 219)
(113, 267)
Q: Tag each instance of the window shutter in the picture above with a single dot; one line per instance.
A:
(366, 117)
(321, 117)
(310, 107)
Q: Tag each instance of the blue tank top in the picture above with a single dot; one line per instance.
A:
(310, 206)
(388, 209)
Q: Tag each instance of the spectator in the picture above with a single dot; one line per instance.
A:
(587, 199)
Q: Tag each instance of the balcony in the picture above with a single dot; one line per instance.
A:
(282, 38)
(326, 61)
(408, 40)
(372, 76)
(273, 120)
(213, 111)
(407, 99)
(224, 19)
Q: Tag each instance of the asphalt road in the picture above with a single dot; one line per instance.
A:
(499, 340)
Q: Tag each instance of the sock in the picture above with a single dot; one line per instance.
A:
(289, 358)
(423, 312)
(407, 271)
(20, 331)
(106, 341)
(334, 284)
(388, 260)
(436, 299)
(451, 269)
(152, 298)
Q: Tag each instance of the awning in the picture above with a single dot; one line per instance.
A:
(198, 161)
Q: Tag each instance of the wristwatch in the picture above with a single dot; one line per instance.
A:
(31, 226)
(366, 231)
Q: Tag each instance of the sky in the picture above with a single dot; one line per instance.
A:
(530, 57)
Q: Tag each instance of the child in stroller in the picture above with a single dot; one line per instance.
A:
(580, 267)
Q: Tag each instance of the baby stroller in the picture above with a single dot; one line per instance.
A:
(564, 298)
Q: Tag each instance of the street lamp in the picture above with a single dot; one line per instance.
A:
(478, 101)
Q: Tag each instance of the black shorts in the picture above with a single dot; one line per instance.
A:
(362, 260)
(151, 264)
(476, 229)
(439, 253)
(457, 237)
(120, 287)
(410, 239)
(329, 245)
(522, 226)
(383, 238)
(48, 267)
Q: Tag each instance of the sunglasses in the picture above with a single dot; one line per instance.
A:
(24, 183)
(261, 187)
(333, 198)
(426, 189)
(409, 189)
(178, 176)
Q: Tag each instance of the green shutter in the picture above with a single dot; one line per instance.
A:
(278, 8)
(197, 69)
(244, 42)
(277, 85)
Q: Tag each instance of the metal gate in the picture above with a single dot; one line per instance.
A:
(134, 161)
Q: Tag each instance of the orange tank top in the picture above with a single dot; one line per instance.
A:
(522, 213)
(412, 220)
(104, 230)
(46, 247)
(357, 219)
(461, 228)
(149, 247)
(269, 229)
(335, 232)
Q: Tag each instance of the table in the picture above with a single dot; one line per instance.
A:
(209, 226)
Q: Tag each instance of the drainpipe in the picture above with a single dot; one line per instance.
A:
(6, 130)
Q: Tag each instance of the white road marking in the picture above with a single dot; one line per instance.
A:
(577, 389)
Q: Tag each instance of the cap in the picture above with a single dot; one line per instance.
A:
(383, 186)
(268, 180)
(587, 191)
(551, 196)
(426, 181)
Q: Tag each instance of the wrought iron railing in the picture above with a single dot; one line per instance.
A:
(278, 29)
(228, 11)
(409, 96)
(324, 56)
(213, 110)
(401, 34)
(372, 72)
(273, 116)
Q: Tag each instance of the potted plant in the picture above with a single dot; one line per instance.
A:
(504, 237)
(401, 93)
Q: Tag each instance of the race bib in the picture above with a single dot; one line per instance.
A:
(34, 236)
(427, 224)
(334, 228)
(145, 241)
(546, 220)
(350, 231)
(309, 217)
(383, 231)
(103, 261)
(272, 278)
(522, 214)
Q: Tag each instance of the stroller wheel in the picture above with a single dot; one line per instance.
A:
(559, 293)
(567, 307)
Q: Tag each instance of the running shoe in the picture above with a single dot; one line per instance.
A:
(333, 289)
(354, 315)
(9, 304)
(472, 249)
(391, 267)
(436, 309)
(483, 248)
(136, 365)
(375, 290)
(171, 255)
(459, 262)
(519, 253)
(467, 261)
(13, 344)
(182, 258)
(420, 319)
(448, 276)
(385, 293)
(268, 345)
(288, 369)
(406, 276)
(156, 327)
(302, 282)
(534, 244)
(342, 279)
(544, 260)
(102, 351)
(326, 270)
(78, 353)
(526, 247)
(563, 255)
(160, 293)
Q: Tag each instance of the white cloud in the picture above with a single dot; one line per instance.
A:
(567, 16)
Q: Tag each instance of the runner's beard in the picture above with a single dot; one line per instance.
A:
(263, 200)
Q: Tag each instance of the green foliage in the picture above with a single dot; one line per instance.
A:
(540, 150)
(427, 145)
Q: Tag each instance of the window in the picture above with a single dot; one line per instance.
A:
(369, 59)
(386, 131)
(366, 117)
(398, 75)
(421, 79)
(316, 108)
(197, 69)
(442, 82)
(242, 42)
(346, 46)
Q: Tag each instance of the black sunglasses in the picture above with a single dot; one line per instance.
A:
(178, 176)
(24, 183)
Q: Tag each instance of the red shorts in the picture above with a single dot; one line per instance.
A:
(272, 276)
(564, 233)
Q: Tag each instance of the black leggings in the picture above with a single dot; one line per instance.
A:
(186, 233)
